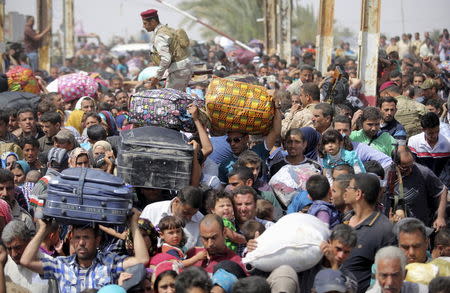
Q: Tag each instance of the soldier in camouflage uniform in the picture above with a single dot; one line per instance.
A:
(169, 50)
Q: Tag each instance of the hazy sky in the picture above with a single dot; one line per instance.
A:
(109, 17)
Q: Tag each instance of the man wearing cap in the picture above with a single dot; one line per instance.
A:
(408, 111)
(429, 89)
(329, 280)
(58, 160)
(169, 51)
(64, 139)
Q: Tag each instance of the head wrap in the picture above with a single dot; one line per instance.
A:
(5, 211)
(74, 154)
(24, 165)
(81, 100)
(5, 156)
(103, 143)
(75, 120)
(109, 121)
(146, 226)
(224, 279)
(312, 138)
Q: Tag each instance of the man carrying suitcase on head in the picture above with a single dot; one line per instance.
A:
(169, 51)
(88, 268)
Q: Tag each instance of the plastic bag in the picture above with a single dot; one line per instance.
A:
(294, 240)
(421, 273)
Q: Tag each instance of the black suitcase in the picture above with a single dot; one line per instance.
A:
(81, 195)
(155, 157)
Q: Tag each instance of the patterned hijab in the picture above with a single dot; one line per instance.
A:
(5, 211)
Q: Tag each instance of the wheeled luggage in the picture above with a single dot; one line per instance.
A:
(155, 157)
(82, 195)
(163, 107)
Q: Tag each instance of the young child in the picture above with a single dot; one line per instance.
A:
(264, 210)
(337, 150)
(250, 228)
(220, 204)
(173, 239)
(318, 188)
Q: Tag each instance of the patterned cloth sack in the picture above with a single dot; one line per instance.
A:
(21, 79)
(76, 85)
(163, 107)
(238, 106)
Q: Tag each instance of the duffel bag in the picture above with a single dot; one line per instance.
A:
(155, 157)
(82, 195)
(163, 107)
(238, 106)
(294, 240)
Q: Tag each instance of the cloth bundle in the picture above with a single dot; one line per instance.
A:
(21, 79)
(239, 107)
(76, 85)
(294, 240)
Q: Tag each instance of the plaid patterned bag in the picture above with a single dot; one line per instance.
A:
(163, 107)
(238, 106)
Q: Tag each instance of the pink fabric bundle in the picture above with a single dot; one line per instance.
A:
(5, 211)
(76, 85)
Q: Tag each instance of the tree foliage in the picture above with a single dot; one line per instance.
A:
(238, 18)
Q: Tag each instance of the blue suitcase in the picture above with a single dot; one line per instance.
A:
(81, 196)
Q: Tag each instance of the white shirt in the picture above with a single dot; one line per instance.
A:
(28, 279)
(154, 212)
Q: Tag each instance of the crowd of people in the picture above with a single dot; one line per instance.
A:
(377, 175)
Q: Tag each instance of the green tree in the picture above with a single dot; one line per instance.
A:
(238, 18)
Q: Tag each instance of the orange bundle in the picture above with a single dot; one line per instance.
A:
(238, 107)
(21, 79)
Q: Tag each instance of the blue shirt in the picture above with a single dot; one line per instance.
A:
(105, 269)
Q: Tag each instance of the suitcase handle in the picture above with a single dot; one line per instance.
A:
(81, 182)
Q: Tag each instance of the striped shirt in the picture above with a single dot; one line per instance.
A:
(71, 278)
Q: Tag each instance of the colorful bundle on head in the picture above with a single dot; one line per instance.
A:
(21, 79)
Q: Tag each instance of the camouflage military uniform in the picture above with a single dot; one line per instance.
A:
(179, 71)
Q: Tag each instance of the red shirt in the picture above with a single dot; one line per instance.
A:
(208, 265)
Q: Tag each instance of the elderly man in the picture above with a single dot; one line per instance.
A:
(168, 51)
(322, 117)
(390, 265)
(16, 236)
(88, 267)
(185, 205)
(213, 239)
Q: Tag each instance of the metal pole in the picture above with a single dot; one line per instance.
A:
(284, 23)
(324, 38)
(270, 26)
(239, 43)
(69, 35)
(44, 12)
(2, 34)
(368, 45)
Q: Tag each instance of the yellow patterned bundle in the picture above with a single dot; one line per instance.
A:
(238, 106)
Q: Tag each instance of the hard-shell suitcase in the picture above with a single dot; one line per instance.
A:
(81, 195)
(155, 157)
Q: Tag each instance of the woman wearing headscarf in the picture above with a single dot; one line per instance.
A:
(103, 156)
(109, 121)
(8, 158)
(75, 120)
(79, 157)
(312, 138)
(20, 169)
(86, 104)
